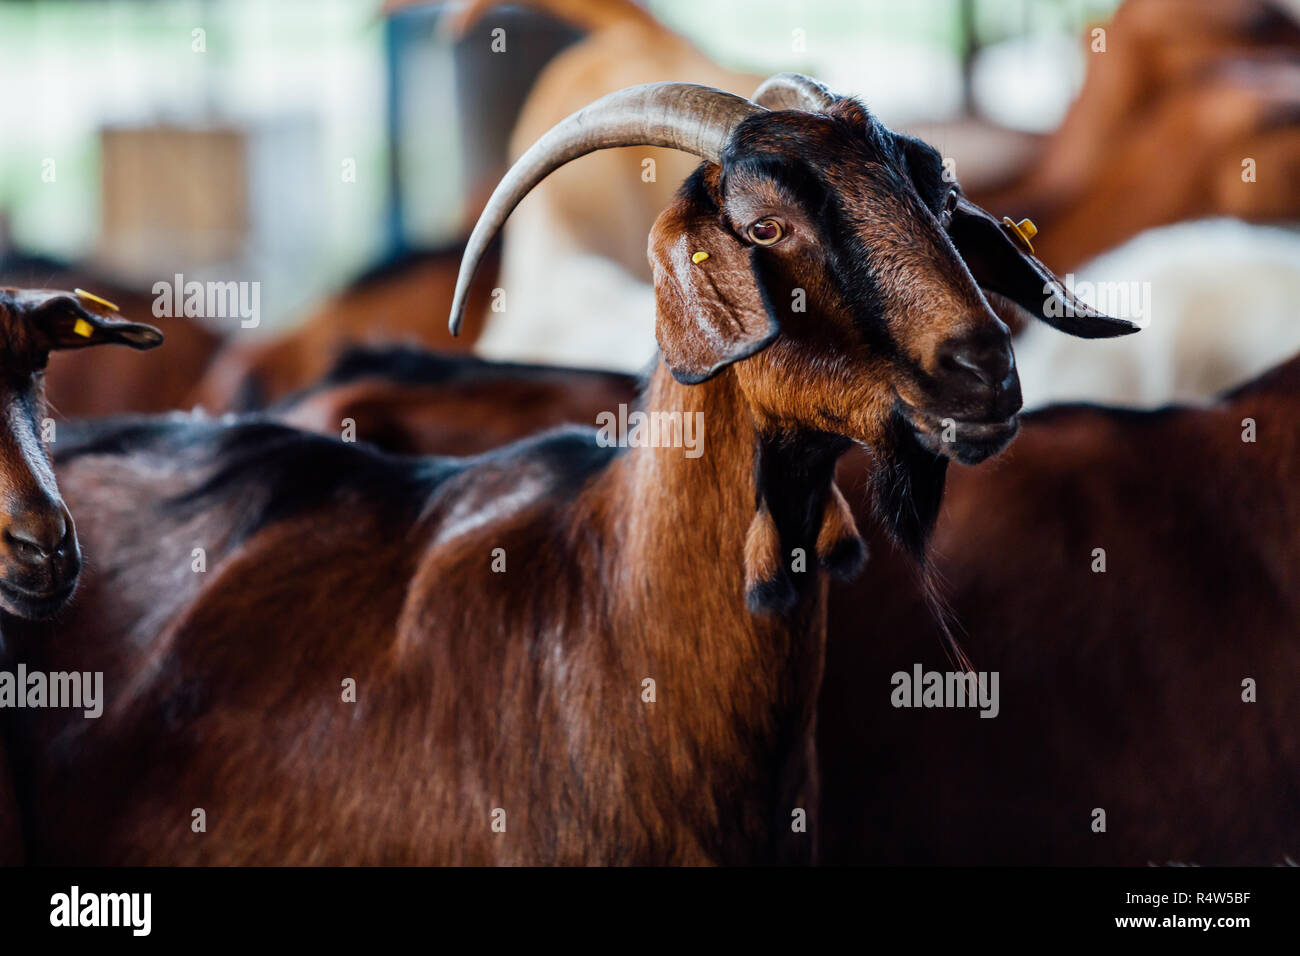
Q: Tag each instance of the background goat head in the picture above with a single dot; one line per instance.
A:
(39, 556)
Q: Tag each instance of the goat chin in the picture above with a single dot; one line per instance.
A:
(1220, 311)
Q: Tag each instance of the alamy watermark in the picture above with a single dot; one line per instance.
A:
(1119, 300)
(77, 689)
(946, 689)
(133, 911)
(639, 429)
(209, 300)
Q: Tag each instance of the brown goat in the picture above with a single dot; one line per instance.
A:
(389, 304)
(888, 795)
(80, 383)
(39, 556)
(640, 684)
(409, 401)
(40, 559)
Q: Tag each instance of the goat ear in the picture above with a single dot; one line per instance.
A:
(1001, 262)
(710, 310)
(76, 321)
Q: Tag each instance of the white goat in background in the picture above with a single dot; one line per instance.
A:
(1221, 309)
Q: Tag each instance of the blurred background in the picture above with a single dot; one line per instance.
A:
(335, 152)
(210, 136)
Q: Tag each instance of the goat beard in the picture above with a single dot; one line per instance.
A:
(907, 482)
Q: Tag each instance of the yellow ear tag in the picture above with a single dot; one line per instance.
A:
(699, 257)
(83, 328)
(91, 297)
(1024, 230)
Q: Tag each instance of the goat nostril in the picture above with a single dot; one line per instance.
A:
(982, 363)
(987, 358)
(970, 363)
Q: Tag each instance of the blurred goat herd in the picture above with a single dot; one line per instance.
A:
(368, 592)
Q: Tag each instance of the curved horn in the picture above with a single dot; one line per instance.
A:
(794, 91)
(686, 116)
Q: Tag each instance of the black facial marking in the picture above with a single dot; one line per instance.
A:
(852, 141)
(790, 174)
(696, 190)
(925, 167)
(851, 271)
(793, 474)
(907, 486)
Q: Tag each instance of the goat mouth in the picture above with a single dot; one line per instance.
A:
(34, 605)
(967, 441)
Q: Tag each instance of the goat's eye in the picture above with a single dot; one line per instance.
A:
(765, 232)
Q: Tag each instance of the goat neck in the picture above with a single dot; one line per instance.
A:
(736, 680)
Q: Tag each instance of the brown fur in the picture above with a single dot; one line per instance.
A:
(466, 406)
(763, 558)
(401, 306)
(1119, 690)
(462, 406)
(588, 773)
(839, 545)
(520, 690)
